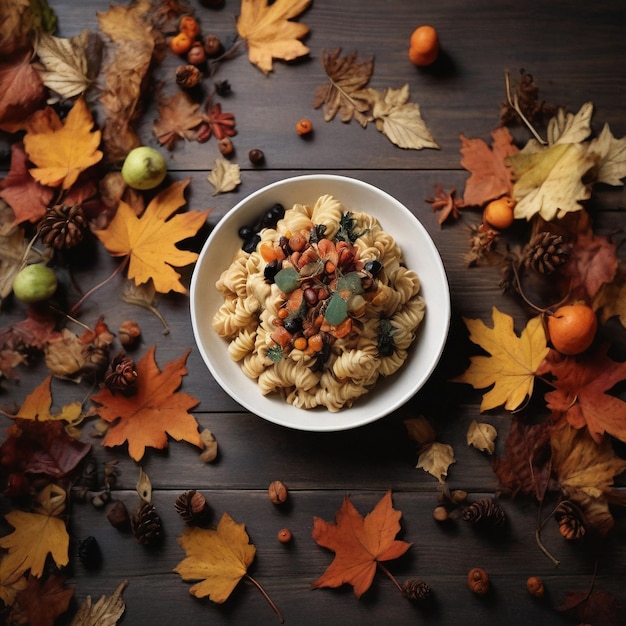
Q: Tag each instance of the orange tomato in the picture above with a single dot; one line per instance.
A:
(572, 328)
(499, 213)
(424, 46)
(181, 43)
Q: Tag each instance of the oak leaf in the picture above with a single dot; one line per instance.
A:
(611, 168)
(490, 174)
(62, 152)
(179, 118)
(581, 393)
(512, 363)
(155, 411)
(398, 119)
(36, 535)
(107, 611)
(436, 458)
(347, 76)
(150, 240)
(40, 604)
(269, 31)
(482, 436)
(359, 543)
(225, 176)
(218, 558)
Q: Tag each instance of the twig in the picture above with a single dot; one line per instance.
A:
(513, 102)
(391, 576)
(539, 541)
(269, 600)
(116, 271)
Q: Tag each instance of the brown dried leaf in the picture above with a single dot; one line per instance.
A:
(482, 436)
(347, 76)
(40, 604)
(436, 458)
(225, 176)
(107, 611)
(179, 118)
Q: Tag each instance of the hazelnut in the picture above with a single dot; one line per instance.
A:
(284, 535)
(256, 156)
(196, 54)
(277, 492)
(440, 513)
(478, 581)
(118, 515)
(535, 587)
(213, 46)
(128, 333)
(225, 146)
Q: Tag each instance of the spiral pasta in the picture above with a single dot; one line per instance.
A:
(337, 311)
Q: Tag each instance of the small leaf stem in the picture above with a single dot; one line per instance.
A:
(267, 598)
(115, 272)
(391, 576)
(513, 102)
(542, 547)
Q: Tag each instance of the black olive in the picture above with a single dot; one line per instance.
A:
(249, 245)
(245, 232)
(278, 211)
(293, 325)
(271, 269)
(89, 553)
(373, 267)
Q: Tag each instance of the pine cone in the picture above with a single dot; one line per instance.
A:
(192, 507)
(485, 512)
(570, 520)
(123, 375)
(416, 590)
(146, 524)
(63, 226)
(89, 553)
(547, 252)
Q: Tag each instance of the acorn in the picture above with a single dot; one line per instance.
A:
(478, 581)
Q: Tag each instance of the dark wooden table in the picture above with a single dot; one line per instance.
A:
(576, 53)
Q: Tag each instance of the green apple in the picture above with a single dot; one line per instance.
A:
(34, 283)
(144, 168)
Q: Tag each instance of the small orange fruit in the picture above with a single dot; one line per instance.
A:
(190, 26)
(499, 213)
(181, 43)
(424, 46)
(304, 126)
(572, 328)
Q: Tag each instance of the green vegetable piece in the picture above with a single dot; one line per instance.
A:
(287, 279)
(350, 282)
(275, 354)
(337, 310)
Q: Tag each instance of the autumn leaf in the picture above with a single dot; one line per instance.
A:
(10, 584)
(490, 175)
(37, 406)
(512, 363)
(446, 203)
(62, 153)
(269, 32)
(347, 76)
(482, 436)
(610, 299)
(225, 176)
(107, 611)
(150, 240)
(581, 393)
(179, 118)
(153, 412)
(40, 604)
(69, 66)
(398, 119)
(219, 558)
(36, 535)
(359, 544)
(436, 458)
(593, 607)
(611, 153)
(216, 122)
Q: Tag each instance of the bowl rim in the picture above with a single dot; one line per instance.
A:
(444, 316)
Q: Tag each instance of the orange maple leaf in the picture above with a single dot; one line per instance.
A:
(490, 175)
(62, 150)
(150, 240)
(153, 412)
(581, 394)
(37, 406)
(359, 543)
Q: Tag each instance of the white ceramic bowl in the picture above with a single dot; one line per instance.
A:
(419, 253)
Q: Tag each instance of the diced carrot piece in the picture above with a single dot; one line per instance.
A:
(341, 330)
(294, 302)
(281, 336)
(268, 251)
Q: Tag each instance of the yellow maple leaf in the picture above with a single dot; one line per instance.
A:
(150, 240)
(269, 33)
(37, 405)
(10, 583)
(36, 535)
(513, 362)
(219, 558)
(62, 150)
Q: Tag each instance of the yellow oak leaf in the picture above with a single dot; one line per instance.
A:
(270, 33)
(219, 558)
(62, 150)
(36, 535)
(149, 241)
(512, 363)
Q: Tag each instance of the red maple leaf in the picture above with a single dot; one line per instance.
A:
(41, 603)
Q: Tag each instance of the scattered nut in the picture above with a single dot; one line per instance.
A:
(304, 126)
(535, 587)
(226, 146)
(284, 535)
(458, 495)
(478, 581)
(277, 492)
(256, 156)
(440, 513)
(196, 54)
(213, 46)
(118, 515)
(209, 453)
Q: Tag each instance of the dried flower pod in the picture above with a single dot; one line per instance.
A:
(535, 587)
(485, 512)
(146, 524)
(213, 46)
(416, 590)
(89, 553)
(478, 581)
(284, 535)
(128, 333)
(118, 516)
(225, 146)
(277, 492)
(570, 520)
(222, 88)
(193, 508)
(188, 76)
(122, 376)
(63, 226)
